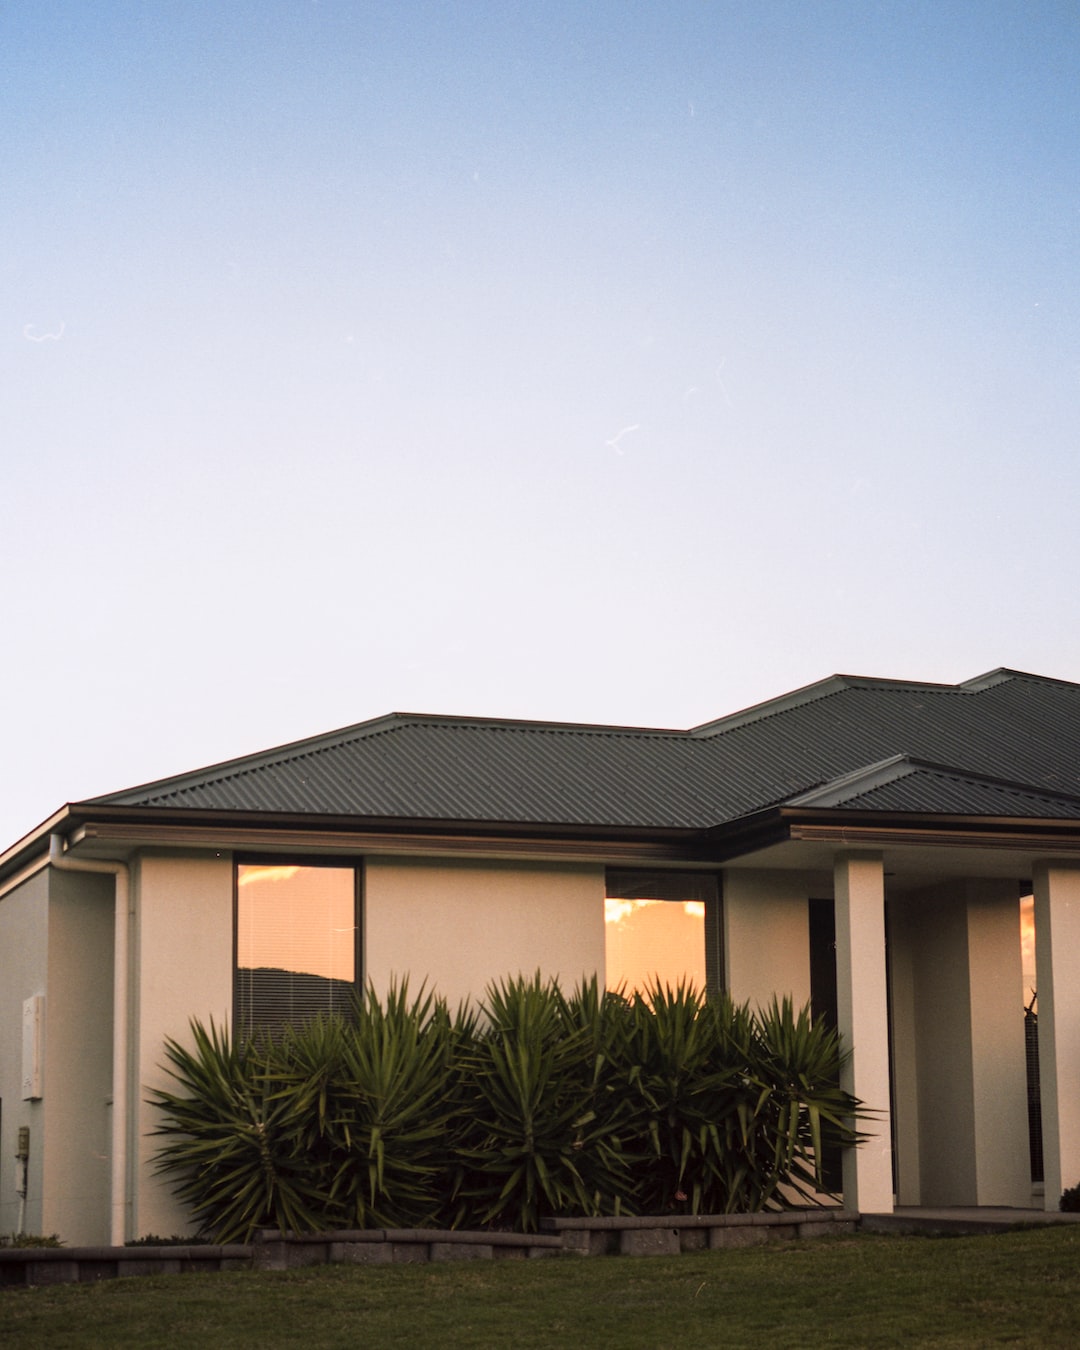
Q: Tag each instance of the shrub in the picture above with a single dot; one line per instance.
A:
(735, 1104)
(679, 1086)
(1070, 1200)
(543, 1140)
(241, 1135)
(385, 1109)
(535, 1105)
(29, 1240)
(802, 1107)
(335, 1123)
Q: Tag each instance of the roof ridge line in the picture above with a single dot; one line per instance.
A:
(808, 693)
(540, 724)
(1003, 674)
(218, 770)
(812, 693)
(885, 771)
(328, 741)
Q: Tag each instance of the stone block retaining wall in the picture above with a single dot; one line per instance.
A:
(271, 1250)
(83, 1265)
(650, 1236)
(384, 1246)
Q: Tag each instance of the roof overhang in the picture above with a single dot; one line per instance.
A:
(781, 836)
(916, 848)
(115, 832)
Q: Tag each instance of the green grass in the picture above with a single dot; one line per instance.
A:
(1017, 1289)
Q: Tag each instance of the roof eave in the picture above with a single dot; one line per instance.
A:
(25, 851)
(123, 830)
(778, 824)
(79, 813)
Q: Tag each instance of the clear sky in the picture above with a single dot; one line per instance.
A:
(607, 361)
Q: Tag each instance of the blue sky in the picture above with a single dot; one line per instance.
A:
(600, 362)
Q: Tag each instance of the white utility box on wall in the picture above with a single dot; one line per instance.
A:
(33, 1028)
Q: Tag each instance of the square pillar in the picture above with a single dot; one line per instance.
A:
(998, 1067)
(1057, 940)
(863, 1022)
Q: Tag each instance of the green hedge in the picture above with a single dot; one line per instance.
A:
(536, 1104)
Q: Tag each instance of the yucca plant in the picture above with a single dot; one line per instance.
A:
(333, 1123)
(238, 1138)
(541, 1105)
(737, 1103)
(735, 1178)
(536, 1132)
(389, 1130)
(603, 1019)
(800, 1060)
(457, 1033)
(682, 1093)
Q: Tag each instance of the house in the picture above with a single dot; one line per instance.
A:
(863, 844)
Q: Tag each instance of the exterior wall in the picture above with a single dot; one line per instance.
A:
(999, 1069)
(23, 954)
(78, 1057)
(453, 925)
(862, 1018)
(1057, 940)
(766, 934)
(959, 1063)
(183, 955)
(903, 1004)
(459, 925)
(456, 924)
(946, 1107)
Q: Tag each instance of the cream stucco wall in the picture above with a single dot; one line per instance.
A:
(184, 963)
(999, 1068)
(23, 956)
(1057, 941)
(904, 1001)
(862, 1019)
(766, 934)
(453, 925)
(78, 1064)
(960, 1075)
(458, 925)
(946, 1107)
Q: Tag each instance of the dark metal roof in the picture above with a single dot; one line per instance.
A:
(905, 784)
(412, 767)
(1021, 731)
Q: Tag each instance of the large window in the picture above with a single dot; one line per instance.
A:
(662, 926)
(296, 943)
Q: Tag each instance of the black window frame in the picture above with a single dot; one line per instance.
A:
(335, 861)
(637, 882)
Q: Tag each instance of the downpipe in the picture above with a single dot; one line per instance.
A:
(122, 922)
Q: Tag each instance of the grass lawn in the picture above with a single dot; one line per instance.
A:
(1019, 1289)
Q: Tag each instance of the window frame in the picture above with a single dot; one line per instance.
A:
(636, 878)
(335, 861)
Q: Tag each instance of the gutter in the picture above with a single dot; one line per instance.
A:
(123, 922)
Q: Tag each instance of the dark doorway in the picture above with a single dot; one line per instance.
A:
(822, 914)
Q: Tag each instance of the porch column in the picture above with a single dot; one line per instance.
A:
(1057, 940)
(863, 1021)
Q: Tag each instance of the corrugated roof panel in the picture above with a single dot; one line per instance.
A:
(1015, 727)
(443, 770)
(928, 792)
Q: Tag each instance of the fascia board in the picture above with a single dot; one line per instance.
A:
(25, 850)
(125, 836)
